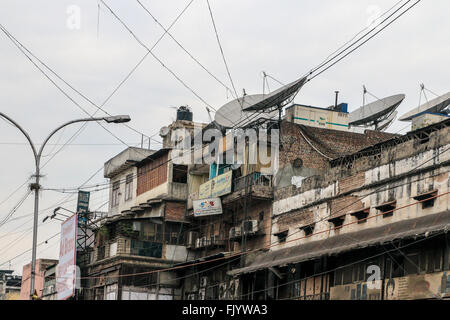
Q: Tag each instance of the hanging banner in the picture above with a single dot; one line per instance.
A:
(217, 187)
(205, 190)
(83, 204)
(67, 269)
(207, 207)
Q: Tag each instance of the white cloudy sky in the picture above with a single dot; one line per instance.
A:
(285, 38)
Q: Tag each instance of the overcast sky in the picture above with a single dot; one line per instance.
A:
(285, 38)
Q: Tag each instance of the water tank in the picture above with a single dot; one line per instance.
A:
(184, 113)
(343, 107)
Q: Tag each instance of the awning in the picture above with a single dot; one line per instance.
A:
(346, 242)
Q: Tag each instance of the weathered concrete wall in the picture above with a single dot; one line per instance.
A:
(123, 204)
(366, 185)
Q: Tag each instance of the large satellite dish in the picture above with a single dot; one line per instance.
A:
(253, 108)
(232, 114)
(434, 106)
(384, 125)
(376, 112)
(278, 98)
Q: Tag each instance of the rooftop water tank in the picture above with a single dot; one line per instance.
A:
(184, 113)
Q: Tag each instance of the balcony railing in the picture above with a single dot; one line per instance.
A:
(253, 179)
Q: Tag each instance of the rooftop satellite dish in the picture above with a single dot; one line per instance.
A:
(375, 112)
(278, 98)
(232, 114)
(384, 125)
(164, 131)
(434, 106)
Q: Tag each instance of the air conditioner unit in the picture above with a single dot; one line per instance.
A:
(203, 282)
(191, 239)
(215, 240)
(202, 294)
(235, 232)
(136, 226)
(222, 291)
(250, 226)
(205, 241)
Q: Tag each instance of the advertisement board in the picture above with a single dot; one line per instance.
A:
(67, 270)
(207, 207)
(221, 185)
(204, 190)
(217, 187)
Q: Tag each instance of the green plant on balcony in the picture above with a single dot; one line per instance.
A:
(126, 229)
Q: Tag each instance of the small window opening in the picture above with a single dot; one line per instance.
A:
(282, 236)
(387, 208)
(361, 215)
(427, 199)
(180, 173)
(337, 222)
(309, 229)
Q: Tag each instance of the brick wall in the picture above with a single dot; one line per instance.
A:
(332, 143)
(175, 211)
(351, 183)
(152, 174)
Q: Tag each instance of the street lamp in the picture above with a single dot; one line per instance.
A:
(35, 186)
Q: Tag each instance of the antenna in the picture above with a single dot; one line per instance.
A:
(436, 105)
(376, 112)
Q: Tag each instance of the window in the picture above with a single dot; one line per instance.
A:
(179, 174)
(412, 264)
(282, 236)
(111, 292)
(261, 216)
(146, 249)
(309, 229)
(387, 208)
(174, 234)
(115, 194)
(337, 222)
(427, 199)
(100, 253)
(129, 187)
(347, 275)
(361, 215)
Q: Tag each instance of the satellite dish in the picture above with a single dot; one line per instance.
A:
(278, 98)
(384, 125)
(434, 106)
(373, 113)
(164, 131)
(232, 114)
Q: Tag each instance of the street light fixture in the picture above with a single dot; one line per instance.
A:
(118, 119)
(36, 186)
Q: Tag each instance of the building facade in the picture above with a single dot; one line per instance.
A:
(336, 215)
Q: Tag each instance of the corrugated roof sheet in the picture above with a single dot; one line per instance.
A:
(350, 241)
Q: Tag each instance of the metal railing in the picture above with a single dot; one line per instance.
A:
(253, 179)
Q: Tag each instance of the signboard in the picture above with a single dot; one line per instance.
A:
(217, 187)
(221, 185)
(205, 190)
(67, 269)
(207, 207)
(83, 204)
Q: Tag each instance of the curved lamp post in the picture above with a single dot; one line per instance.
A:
(35, 186)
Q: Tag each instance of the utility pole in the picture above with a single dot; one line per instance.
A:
(36, 185)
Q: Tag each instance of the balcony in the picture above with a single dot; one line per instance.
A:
(259, 186)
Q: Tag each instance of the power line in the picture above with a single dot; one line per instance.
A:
(353, 50)
(221, 49)
(182, 47)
